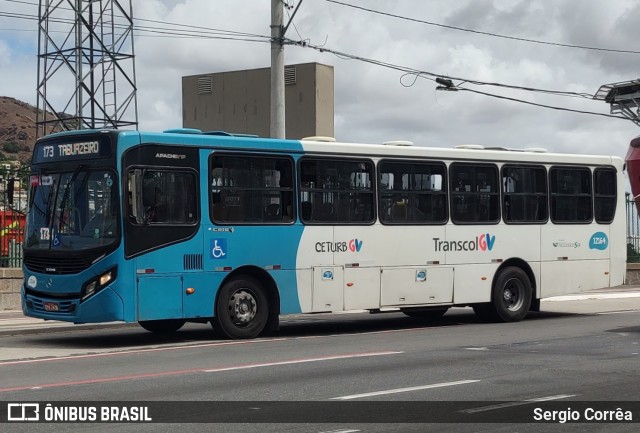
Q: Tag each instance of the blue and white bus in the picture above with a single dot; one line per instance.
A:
(184, 226)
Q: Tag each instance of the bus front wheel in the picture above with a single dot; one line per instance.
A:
(242, 308)
(162, 326)
(510, 297)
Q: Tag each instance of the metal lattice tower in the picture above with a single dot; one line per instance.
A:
(86, 69)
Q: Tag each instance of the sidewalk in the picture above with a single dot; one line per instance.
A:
(14, 322)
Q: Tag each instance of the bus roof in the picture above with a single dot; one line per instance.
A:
(321, 145)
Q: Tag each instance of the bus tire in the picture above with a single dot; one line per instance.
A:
(242, 309)
(166, 326)
(425, 314)
(511, 295)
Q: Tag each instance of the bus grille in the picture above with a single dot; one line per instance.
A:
(63, 307)
(192, 261)
(55, 265)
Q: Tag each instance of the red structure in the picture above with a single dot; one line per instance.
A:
(11, 228)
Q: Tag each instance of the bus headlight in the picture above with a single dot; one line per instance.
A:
(95, 285)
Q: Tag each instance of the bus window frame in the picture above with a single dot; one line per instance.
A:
(552, 194)
(451, 192)
(443, 192)
(547, 199)
(613, 170)
(373, 191)
(129, 200)
(257, 155)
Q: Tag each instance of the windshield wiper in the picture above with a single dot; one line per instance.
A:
(65, 197)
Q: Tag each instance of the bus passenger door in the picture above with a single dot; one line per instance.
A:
(159, 297)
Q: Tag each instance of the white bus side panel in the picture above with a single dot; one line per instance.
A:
(475, 268)
(314, 250)
(574, 258)
(369, 248)
(327, 289)
(380, 245)
(618, 238)
(560, 278)
(416, 286)
(473, 283)
(361, 288)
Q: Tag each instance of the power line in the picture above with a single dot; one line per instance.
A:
(432, 76)
(149, 31)
(496, 35)
(192, 31)
(428, 74)
(552, 107)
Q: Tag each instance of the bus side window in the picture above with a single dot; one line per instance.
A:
(324, 212)
(305, 210)
(272, 212)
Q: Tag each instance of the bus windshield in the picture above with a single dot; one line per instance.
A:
(75, 210)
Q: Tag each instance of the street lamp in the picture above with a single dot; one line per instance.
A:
(624, 98)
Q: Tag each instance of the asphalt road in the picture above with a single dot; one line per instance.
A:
(575, 350)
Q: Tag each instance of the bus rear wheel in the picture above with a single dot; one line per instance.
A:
(162, 326)
(510, 297)
(242, 309)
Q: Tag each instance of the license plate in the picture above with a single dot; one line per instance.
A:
(51, 306)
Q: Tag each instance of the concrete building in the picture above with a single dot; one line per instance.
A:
(239, 101)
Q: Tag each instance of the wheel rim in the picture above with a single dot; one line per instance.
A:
(243, 307)
(513, 294)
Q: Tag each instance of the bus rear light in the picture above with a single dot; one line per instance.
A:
(349, 284)
(483, 278)
(190, 291)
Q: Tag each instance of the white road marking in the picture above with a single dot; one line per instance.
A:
(605, 313)
(587, 296)
(300, 361)
(135, 351)
(399, 390)
(340, 431)
(517, 403)
(477, 348)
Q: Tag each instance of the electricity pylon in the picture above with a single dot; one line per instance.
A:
(86, 69)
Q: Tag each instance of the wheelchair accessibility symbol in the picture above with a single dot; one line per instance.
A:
(218, 248)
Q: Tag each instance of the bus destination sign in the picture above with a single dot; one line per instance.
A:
(63, 151)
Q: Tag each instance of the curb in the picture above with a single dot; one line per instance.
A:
(44, 329)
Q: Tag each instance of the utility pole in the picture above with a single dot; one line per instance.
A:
(277, 125)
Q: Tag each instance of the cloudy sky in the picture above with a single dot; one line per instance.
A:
(376, 104)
